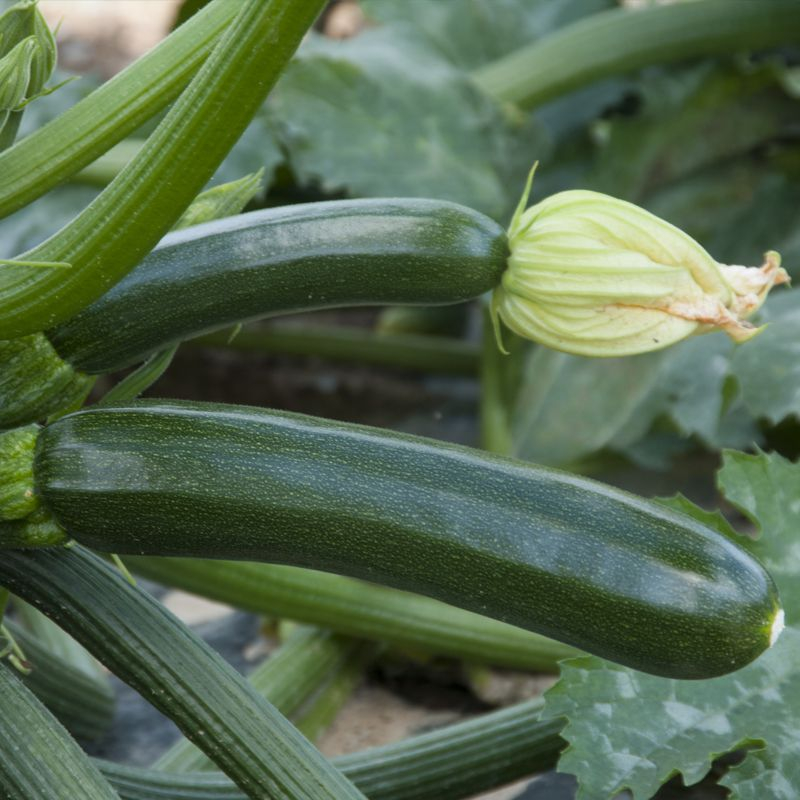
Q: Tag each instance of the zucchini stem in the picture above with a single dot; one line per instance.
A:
(619, 41)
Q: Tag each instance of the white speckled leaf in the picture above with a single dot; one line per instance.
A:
(766, 487)
(635, 731)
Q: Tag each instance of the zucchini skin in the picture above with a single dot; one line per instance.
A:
(282, 260)
(598, 568)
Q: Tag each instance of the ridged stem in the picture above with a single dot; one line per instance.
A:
(450, 763)
(317, 715)
(127, 219)
(78, 136)
(152, 651)
(287, 679)
(58, 642)
(408, 621)
(618, 41)
(39, 760)
(437, 354)
(84, 705)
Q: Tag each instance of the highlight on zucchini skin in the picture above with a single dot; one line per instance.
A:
(282, 260)
(573, 559)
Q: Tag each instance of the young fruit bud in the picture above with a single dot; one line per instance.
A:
(15, 74)
(595, 276)
(27, 60)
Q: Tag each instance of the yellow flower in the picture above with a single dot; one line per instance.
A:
(596, 276)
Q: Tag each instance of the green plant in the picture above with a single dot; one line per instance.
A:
(673, 591)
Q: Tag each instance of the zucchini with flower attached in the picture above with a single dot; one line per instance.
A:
(580, 271)
(573, 559)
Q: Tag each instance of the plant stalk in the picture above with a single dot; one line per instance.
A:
(57, 150)
(181, 676)
(450, 763)
(439, 354)
(352, 607)
(108, 238)
(619, 41)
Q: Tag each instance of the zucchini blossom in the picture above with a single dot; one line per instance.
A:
(595, 276)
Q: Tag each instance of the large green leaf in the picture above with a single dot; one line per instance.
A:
(767, 489)
(385, 114)
(470, 33)
(689, 119)
(631, 730)
(569, 407)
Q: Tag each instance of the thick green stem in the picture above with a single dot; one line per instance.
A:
(84, 704)
(39, 760)
(316, 716)
(77, 137)
(406, 351)
(152, 651)
(494, 417)
(124, 223)
(454, 762)
(287, 679)
(619, 41)
(59, 643)
(408, 621)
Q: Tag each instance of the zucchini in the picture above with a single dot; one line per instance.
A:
(598, 568)
(281, 260)
(39, 760)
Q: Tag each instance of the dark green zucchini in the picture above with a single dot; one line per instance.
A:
(295, 258)
(573, 559)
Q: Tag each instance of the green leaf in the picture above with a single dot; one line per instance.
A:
(768, 368)
(470, 32)
(570, 407)
(690, 118)
(767, 489)
(385, 98)
(711, 519)
(635, 731)
(740, 208)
